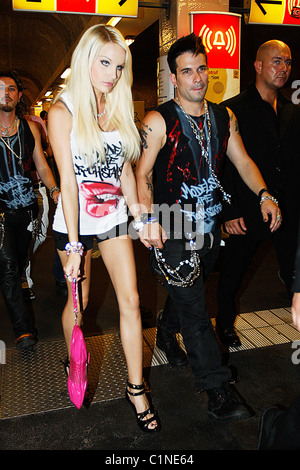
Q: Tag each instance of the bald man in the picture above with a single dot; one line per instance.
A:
(269, 125)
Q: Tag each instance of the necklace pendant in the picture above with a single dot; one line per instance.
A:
(99, 115)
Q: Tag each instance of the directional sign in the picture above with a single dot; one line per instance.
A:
(126, 8)
(286, 12)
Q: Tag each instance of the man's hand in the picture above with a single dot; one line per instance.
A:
(269, 208)
(153, 235)
(236, 226)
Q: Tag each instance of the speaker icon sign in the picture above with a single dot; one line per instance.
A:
(220, 35)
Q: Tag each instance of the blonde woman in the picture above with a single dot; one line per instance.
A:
(94, 140)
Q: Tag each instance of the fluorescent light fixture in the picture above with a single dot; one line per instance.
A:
(129, 40)
(66, 73)
(114, 20)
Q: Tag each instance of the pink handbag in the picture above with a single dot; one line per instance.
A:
(79, 359)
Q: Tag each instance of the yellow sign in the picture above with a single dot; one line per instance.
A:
(43, 5)
(123, 8)
(275, 12)
(117, 7)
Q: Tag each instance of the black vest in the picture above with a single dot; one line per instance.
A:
(182, 176)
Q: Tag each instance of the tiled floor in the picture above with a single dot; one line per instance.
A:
(35, 382)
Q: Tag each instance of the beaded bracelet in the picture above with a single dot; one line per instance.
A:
(52, 190)
(74, 247)
(143, 220)
(271, 198)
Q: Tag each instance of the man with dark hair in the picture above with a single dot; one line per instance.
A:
(20, 147)
(189, 43)
(184, 142)
(269, 126)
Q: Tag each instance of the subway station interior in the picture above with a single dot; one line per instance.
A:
(35, 409)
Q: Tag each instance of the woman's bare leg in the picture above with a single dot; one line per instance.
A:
(68, 318)
(118, 256)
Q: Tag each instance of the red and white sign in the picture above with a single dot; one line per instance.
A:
(220, 33)
(286, 12)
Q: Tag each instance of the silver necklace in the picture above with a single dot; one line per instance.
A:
(205, 151)
(19, 157)
(6, 130)
(103, 112)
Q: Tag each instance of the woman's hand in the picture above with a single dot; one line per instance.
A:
(72, 268)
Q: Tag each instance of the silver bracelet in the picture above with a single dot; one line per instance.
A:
(145, 219)
(52, 190)
(271, 198)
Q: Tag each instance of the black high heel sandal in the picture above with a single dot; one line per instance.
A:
(144, 424)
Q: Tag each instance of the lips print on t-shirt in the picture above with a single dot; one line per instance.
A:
(101, 198)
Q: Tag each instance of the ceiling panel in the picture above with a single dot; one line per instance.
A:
(38, 46)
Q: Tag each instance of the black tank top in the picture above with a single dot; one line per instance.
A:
(16, 187)
(182, 178)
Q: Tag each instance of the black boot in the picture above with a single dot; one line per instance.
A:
(167, 342)
(228, 336)
(224, 404)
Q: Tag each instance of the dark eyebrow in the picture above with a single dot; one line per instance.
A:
(280, 58)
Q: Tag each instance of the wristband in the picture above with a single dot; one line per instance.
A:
(263, 190)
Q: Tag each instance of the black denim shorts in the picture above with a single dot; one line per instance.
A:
(61, 239)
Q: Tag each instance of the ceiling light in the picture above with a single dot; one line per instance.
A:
(48, 93)
(129, 40)
(66, 73)
(114, 20)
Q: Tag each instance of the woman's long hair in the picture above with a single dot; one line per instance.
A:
(119, 105)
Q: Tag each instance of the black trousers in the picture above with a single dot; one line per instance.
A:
(238, 253)
(13, 257)
(285, 434)
(185, 310)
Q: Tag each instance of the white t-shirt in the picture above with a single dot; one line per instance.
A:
(102, 205)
